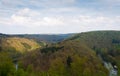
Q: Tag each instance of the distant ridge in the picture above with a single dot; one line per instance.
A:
(3, 35)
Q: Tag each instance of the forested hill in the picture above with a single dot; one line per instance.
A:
(66, 58)
(28, 42)
(77, 55)
(99, 39)
(104, 43)
(3, 35)
(52, 38)
(17, 44)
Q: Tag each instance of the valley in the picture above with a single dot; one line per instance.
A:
(95, 53)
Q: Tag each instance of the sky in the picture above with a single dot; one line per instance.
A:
(58, 16)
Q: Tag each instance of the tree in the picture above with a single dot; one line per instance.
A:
(0, 48)
(57, 68)
(6, 66)
(69, 61)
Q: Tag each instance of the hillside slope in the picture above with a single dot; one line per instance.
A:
(104, 43)
(18, 44)
(67, 58)
(75, 56)
(99, 39)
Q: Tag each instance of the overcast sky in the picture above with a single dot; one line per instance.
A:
(58, 16)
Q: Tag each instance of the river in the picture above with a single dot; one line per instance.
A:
(112, 69)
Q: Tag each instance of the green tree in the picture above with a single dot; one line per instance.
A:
(6, 66)
(57, 68)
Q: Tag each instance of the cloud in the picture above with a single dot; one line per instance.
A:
(30, 18)
(57, 15)
(27, 12)
(32, 22)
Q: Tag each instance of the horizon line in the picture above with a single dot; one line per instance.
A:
(54, 33)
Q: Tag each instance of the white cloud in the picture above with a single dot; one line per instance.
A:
(30, 18)
(58, 20)
(27, 12)
(64, 9)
